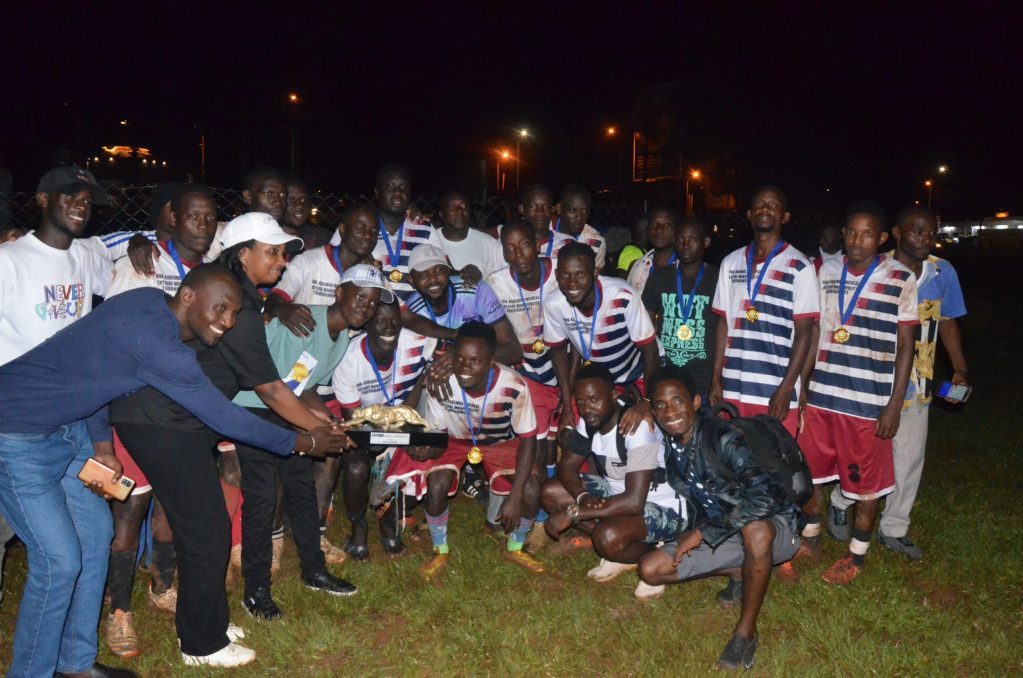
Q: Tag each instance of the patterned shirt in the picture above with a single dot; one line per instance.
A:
(855, 377)
(167, 276)
(757, 354)
(469, 304)
(355, 383)
(509, 410)
(528, 326)
(415, 233)
(623, 325)
(588, 236)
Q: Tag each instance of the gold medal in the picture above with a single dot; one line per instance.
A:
(751, 314)
(539, 346)
(841, 335)
(475, 455)
(395, 276)
(684, 333)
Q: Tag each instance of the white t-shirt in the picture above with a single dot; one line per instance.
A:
(528, 326)
(461, 253)
(757, 354)
(509, 410)
(640, 271)
(644, 451)
(623, 325)
(43, 290)
(355, 384)
(167, 277)
(592, 238)
(311, 277)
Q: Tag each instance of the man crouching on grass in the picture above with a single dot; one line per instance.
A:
(624, 501)
(740, 527)
(487, 413)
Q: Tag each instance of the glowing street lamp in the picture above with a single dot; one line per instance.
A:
(523, 133)
(930, 187)
(503, 155)
(294, 100)
(942, 169)
(611, 131)
(693, 175)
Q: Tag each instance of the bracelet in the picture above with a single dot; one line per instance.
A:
(573, 513)
(580, 497)
(311, 449)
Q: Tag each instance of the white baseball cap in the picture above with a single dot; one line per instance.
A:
(257, 226)
(364, 275)
(426, 256)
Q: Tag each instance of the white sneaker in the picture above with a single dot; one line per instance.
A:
(645, 592)
(235, 633)
(609, 570)
(227, 657)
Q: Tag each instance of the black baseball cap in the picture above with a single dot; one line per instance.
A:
(69, 180)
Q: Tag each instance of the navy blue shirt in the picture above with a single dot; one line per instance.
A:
(129, 342)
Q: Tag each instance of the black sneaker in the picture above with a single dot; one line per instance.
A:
(475, 486)
(328, 583)
(838, 524)
(261, 606)
(901, 545)
(731, 595)
(739, 652)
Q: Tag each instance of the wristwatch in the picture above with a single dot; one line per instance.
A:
(573, 513)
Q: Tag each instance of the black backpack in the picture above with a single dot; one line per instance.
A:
(773, 447)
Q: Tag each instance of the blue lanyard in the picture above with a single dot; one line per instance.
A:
(752, 292)
(537, 329)
(451, 308)
(392, 258)
(844, 313)
(686, 308)
(376, 371)
(337, 260)
(483, 409)
(587, 350)
(550, 243)
(177, 260)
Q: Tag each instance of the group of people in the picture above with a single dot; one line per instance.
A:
(221, 367)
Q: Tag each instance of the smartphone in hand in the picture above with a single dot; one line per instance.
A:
(955, 393)
(94, 470)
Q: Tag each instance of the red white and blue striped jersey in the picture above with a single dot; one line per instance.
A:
(355, 384)
(509, 412)
(757, 353)
(416, 233)
(535, 366)
(623, 325)
(856, 377)
(588, 236)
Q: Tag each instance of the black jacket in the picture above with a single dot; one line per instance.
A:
(752, 495)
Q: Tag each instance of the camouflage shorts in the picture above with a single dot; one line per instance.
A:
(662, 523)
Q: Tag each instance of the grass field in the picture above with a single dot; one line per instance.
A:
(958, 612)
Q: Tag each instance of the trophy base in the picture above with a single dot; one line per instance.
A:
(412, 436)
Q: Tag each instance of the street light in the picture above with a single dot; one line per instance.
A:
(693, 175)
(930, 186)
(293, 99)
(523, 133)
(942, 169)
(611, 131)
(503, 155)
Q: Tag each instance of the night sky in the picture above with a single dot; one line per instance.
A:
(866, 101)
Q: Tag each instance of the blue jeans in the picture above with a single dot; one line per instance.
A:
(67, 532)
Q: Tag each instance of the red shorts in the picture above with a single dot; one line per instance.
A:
(546, 402)
(846, 448)
(498, 463)
(791, 421)
(334, 405)
(130, 468)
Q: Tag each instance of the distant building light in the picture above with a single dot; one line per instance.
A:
(1001, 227)
(1001, 215)
(164, 163)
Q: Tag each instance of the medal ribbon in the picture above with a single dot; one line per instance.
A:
(686, 308)
(587, 349)
(376, 372)
(451, 307)
(177, 260)
(483, 409)
(763, 270)
(845, 314)
(550, 244)
(337, 260)
(393, 258)
(537, 329)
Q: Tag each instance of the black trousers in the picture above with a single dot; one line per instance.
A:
(259, 496)
(181, 466)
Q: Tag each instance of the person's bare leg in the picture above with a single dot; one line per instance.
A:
(620, 539)
(758, 544)
(355, 467)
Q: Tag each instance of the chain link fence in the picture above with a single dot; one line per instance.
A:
(129, 210)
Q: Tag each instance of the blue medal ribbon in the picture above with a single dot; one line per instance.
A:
(537, 329)
(177, 260)
(451, 307)
(393, 258)
(550, 243)
(752, 292)
(337, 260)
(376, 372)
(844, 314)
(686, 307)
(587, 349)
(474, 433)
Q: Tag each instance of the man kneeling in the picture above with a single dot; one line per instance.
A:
(624, 501)
(740, 527)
